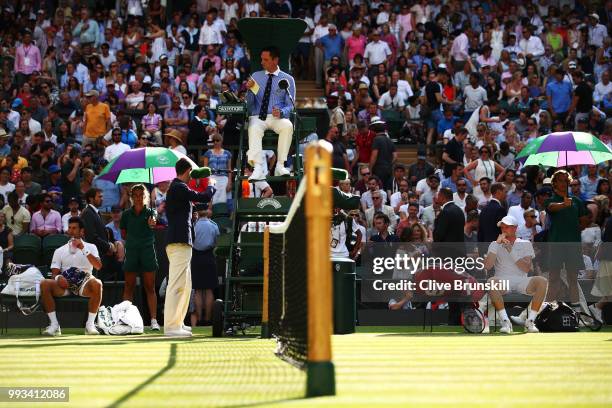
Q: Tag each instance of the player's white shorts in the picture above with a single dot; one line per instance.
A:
(517, 284)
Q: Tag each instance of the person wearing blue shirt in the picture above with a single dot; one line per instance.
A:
(447, 122)
(559, 95)
(332, 44)
(5, 149)
(269, 107)
(203, 264)
(456, 175)
(589, 183)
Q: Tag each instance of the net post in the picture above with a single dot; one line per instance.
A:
(265, 328)
(319, 367)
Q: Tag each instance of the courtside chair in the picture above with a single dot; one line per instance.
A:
(27, 249)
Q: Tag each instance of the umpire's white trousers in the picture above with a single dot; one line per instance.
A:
(178, 290)
(283, 127)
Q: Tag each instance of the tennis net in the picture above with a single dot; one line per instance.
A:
(288, 304)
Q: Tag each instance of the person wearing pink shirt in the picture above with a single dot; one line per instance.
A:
(27, 59)
(355, 44)
(406, 22)
(46, 221)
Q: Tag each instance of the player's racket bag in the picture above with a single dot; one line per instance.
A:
(557, 317)
(24, 282)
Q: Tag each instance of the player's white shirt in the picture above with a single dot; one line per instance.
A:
(505, 262)
(63, 259)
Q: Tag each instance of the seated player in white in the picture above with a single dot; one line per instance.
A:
(72, 267)
(269, 107)
(512, 258)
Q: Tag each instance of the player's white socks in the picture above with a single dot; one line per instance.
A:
(91, 318)
(531, 314)
(53, 319)
(503, 315)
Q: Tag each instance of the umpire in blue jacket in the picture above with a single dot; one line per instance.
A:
(179, 244)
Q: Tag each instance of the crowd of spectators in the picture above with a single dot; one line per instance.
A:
(470, 83)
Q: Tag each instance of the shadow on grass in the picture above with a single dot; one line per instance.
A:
(171, 362)
(84, 341)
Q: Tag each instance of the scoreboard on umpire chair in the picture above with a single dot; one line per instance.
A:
(232, 109)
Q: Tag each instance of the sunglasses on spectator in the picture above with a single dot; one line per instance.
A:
(365, 174)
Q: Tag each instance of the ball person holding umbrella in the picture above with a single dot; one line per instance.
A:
(136, 227)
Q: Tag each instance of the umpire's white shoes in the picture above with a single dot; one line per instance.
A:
(506, 327)
(52, 331)
(530, 327)
(177, 333)
(91, 329)
(280, 170)
(186, 328)
(259, 172)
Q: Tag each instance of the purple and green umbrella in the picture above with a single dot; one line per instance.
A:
(562, 149)
(144, 165)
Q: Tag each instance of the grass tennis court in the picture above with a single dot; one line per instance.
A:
(378, 366)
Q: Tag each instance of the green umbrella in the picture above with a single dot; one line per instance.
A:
(562, 149)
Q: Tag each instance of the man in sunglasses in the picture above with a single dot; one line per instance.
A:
(46, 221)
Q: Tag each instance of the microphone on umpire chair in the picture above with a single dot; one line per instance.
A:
(284, 84)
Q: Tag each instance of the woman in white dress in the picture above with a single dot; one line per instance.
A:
(497, 39)
(483, 167)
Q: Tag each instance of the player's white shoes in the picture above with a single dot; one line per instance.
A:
(521, 319)
(186, 328)
(91, 329)
(52, 331)
(506, 327)
(530, 327)
(155, 325)
(177, 333)
(596, 313)
(281, 171)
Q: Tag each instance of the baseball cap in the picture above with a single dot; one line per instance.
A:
(54, 168)
(433, 176)
(116, 208)
(595, 16)
(55, 189)
(156, 85)
(163, 57)
(508, 220)
(363, 86)
(547, 180)
(572, 64)
(73, 200)
(17, 102)
(93, 92)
